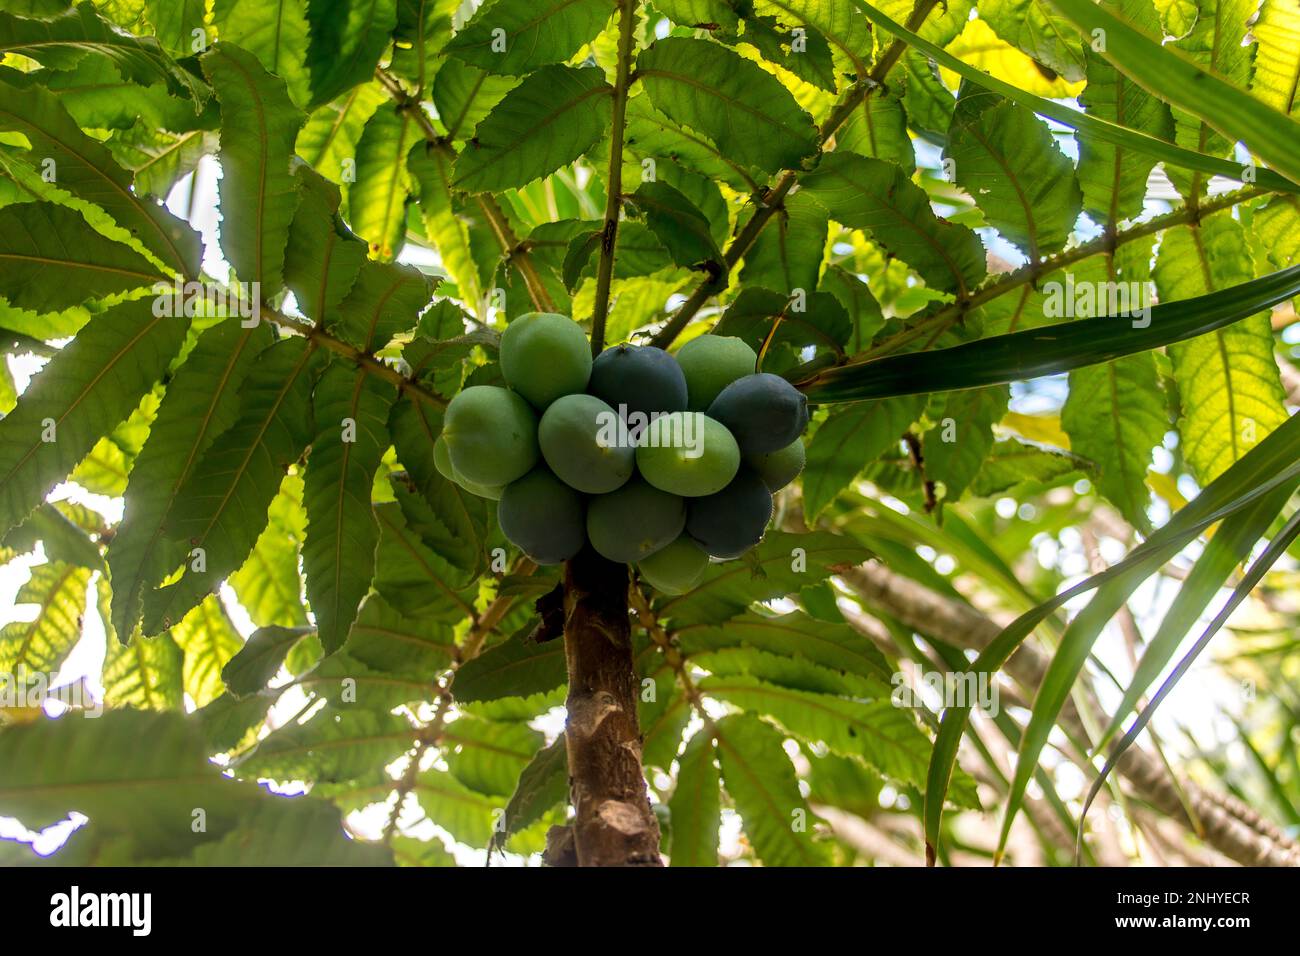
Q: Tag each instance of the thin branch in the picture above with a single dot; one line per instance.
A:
(514, 250)
(772, 200)
(614, 181)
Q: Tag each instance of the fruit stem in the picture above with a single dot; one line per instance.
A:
(613, 823)
(614, 180)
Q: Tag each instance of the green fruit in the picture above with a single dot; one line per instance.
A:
(543, 516)
(634, 522)
(763, 411)
(780, 467)
(491, 435)
(677, 568)
(711, 363)
(688, 454)
(585, 443)
(545, 356)
(442, 461)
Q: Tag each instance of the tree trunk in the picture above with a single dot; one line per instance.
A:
(614, 825)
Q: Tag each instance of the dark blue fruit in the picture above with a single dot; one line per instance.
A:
(729, 523)
(638, 378)
(763, 411)
(543, 517)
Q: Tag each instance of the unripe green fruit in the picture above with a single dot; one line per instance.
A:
(491, 435)
(688, 454)
(780, 467)
(677, 568)
(545, 356)
(543, 516)
(442, 461)
(585, 443)
(711, 363)
(634, 522)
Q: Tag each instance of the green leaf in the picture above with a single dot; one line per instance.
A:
(741, 107)
(804, 320)
(146, 795)
(430, 168)
(884, 736)
(489, 756)
(1230, 545)
(1269, 133)
(387, 640)
(652, 135)
(274, 32)
(780, 565)
(550, 119)
(837, 647)
(680, 226)
(953, 455)
(347, 39)
(700, 14)
(338, 555)
(86, 389)
(518, 36)
(848, 33)
(209, 640)
(258, 191)
(696, 806)
(385, 300)
(848, 441)
(223, 504)
(1007, 160)
(1097, 127)
(87, 169)
(1114, 177)
(788, 252)
(334, 745)
(1012, 465)
(1229, 389)
(543, 784)
(1033, 27)
(1276, 77)
(40, 645)
(61, 539)
(377, 200)
(158, 159)
(61, 42)
(1115, 415)
(463, 94)
(201, 402)
(174, 23)
(878, 197)
(323, 258)
(329, 137)
(146, 673)
(415, 580)
(1053, 348)
(517, 667)
(259, 659)
(1274, 462)
(762, 784)
(268, 585)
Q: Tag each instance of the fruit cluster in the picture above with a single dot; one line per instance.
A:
(659, 460)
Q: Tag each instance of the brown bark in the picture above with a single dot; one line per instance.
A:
(613, 823)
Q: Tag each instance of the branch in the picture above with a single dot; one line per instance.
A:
(514, 250)
(1229, 826)
(614, 181)
(773, 198)
(940, 321)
